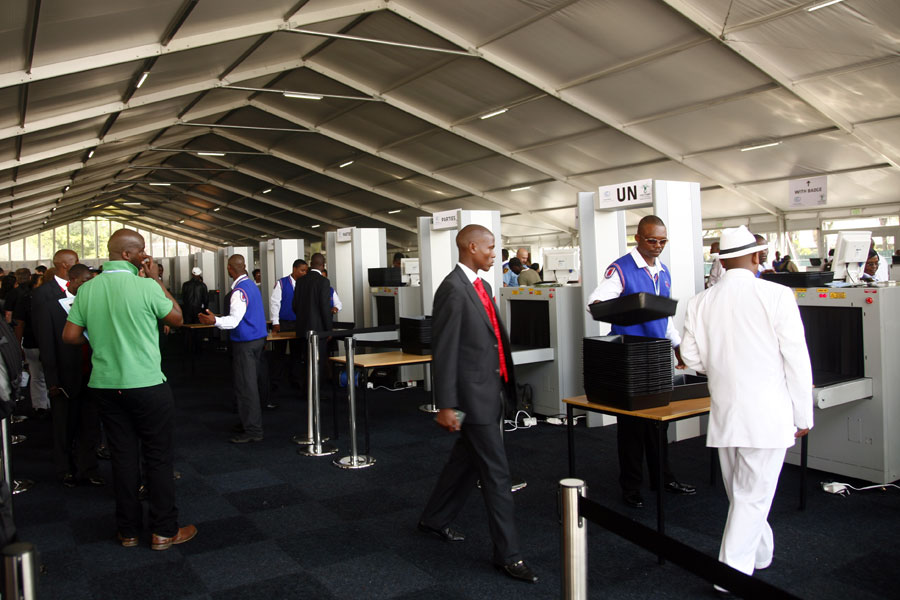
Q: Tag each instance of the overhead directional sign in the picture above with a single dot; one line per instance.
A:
(812, 191)
(447, 219)
(633, 194)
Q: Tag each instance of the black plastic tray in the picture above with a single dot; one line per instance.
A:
(689, 386)
(633, 309)
(801, 280)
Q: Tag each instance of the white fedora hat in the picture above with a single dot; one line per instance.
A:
(738, 242)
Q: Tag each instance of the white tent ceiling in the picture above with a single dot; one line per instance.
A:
(596, 92)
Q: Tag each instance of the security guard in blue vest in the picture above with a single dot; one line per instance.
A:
(641, 271)
(284, 319)
(246, 320)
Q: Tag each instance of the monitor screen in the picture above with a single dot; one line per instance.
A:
(850, 253)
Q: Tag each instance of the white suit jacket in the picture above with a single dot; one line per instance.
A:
(746, 335)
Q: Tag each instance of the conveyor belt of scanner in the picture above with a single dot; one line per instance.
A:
(828, 396)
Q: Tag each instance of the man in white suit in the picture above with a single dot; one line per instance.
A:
(746, 334)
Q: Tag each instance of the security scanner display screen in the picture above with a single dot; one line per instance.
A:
(834, 337)
(529, 324)
(386, 307)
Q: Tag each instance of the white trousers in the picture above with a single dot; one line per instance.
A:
(750, 476)
(38, 386)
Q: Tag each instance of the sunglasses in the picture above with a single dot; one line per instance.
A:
(656, 242)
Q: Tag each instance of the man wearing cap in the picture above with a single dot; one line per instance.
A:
(756, 413)
(194, 296)
(641, 271)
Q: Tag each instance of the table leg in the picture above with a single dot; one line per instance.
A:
(660, 513)
(365, 400)
(429, 408)
(570, 430)
(804, 449)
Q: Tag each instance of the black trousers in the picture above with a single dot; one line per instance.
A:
(635, 438)
(478, 454)
(76, 433)
(139, 424)
(250, 379)
(287, 366)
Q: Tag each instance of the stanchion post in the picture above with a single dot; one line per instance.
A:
(16, 487)
(355, 460)
(316, 447)
(429, 408)
(20, 562)
(299, 439)
(574, 541)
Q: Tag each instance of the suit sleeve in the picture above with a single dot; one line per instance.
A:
(43, 332)
(446, 328)
(795, 356)
(690, 349)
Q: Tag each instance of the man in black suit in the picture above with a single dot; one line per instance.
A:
(472, 371)
(312, 303)
(74, 412)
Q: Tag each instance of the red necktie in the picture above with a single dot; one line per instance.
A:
(489, 307)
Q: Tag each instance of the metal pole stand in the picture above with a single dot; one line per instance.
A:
(17, 486)
(429, 408)
(574, 541)
(316, 446)
(20, 567)
(355, 460)
(311, 381)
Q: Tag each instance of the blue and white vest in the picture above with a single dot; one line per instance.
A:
(253, 325)
(635, 280)
(286, 312)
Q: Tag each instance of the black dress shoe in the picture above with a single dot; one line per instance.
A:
(103, 453)
(96, 481)
(683, 489)
(237, 428)
(633, 499)
(69, 481)
(445, 533)
(245, 438)
(519, 570)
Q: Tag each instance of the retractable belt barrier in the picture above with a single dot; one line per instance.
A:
(20, 569)
(575, 509)
(314, 442)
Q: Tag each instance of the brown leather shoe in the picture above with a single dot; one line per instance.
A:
(127, 542)
(184, 534)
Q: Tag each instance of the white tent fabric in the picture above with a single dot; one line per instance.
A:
(102, 101)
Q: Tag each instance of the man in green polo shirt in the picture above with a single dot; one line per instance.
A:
(120, 312)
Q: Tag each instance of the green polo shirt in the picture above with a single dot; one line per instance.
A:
(120, 312)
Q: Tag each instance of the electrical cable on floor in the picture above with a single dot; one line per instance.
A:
(527, 423)
(843, 489)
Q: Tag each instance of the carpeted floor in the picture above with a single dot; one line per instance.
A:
(277, 525)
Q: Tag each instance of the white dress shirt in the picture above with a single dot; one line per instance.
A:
(611, 287)
(275, 299)
(747, 336)
(238, 307)
(62, 283)
(336, 300)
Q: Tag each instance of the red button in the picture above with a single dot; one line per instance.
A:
(823, 295)
(870, 300)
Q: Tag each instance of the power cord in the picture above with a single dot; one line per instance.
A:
(527, 423)
(843, 489)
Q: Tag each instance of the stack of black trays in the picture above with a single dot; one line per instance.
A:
(385, 277)
(628, 371)
(415, 335)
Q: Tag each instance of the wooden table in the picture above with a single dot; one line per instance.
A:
(382, 359)
(674, 411)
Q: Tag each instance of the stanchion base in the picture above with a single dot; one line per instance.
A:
(429, 408)
(518, 484)
(323, 450)
(302, 440)
(22, 485)
(17, 439)
(361, 462)
(18, 419)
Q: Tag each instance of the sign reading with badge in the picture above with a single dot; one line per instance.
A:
(345, 234)
(812, 191)
(448, 219)
(633, 194)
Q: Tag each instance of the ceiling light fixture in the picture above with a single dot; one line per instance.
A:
(493, 114)
(346, 164)
(757, 147)
(142, 79)
(266, 191)
(161, 184)
(823, 5)
(217, 209)
(53, 209)
(131, 203)
(91, 153)
(181, 221)
(315, 226)
(301, 96)
(394, 212)
(66, 189)
(210, 154)
(521, 189)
